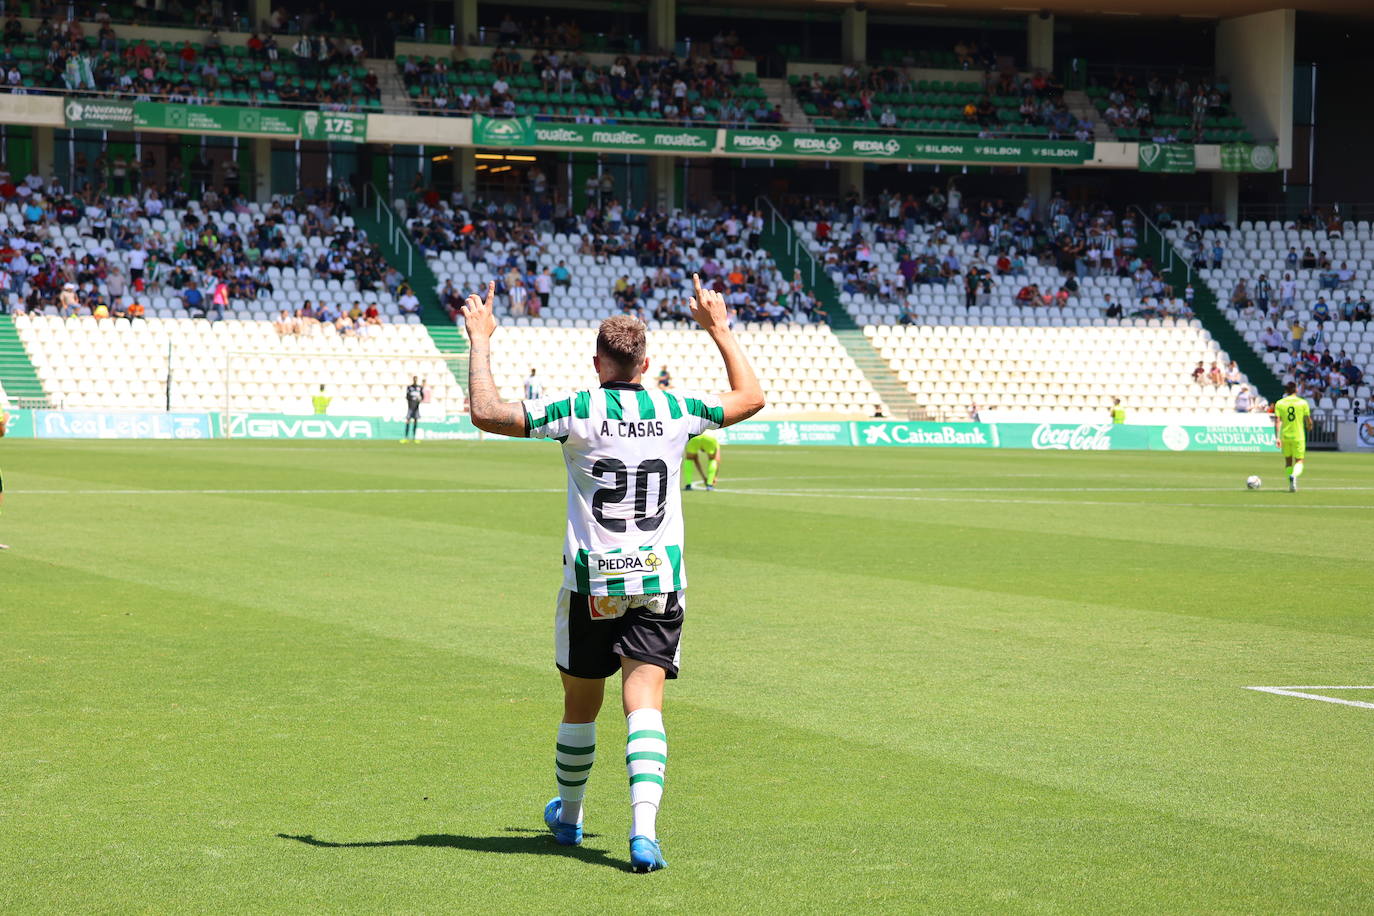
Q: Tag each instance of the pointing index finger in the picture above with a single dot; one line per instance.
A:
(696, 282)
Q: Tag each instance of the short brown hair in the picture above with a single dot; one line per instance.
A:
(621, 340)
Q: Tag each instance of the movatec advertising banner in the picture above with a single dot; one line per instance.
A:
(1167, 157)
(217, 119)
(334, 126)
(623, 138)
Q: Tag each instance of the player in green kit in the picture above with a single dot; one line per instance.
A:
(708, 445)
(1292, 420)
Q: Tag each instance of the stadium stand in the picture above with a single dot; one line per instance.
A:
(641, 265)
(325, 72)
(87, 363)
(1300, 297)
(803, 368)
(552, 84)
(1166, 111)
(965, 318)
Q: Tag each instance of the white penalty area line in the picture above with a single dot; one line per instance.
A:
(1299, 692)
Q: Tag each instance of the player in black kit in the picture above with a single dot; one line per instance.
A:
(415, 393)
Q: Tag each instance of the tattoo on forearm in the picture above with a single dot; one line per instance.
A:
(489, 412)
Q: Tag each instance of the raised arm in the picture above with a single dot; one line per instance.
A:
(745, 397)
(489, 413)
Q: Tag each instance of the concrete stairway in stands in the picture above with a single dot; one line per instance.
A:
(779, 93)
(19, 384)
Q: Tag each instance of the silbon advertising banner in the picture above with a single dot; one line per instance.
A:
(216, 119)
(334, 126)
(1167, 157)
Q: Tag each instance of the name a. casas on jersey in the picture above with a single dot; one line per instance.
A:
(632, 429)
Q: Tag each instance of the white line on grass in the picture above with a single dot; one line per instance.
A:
(1298, 692)
(852, 495)
(290, 492)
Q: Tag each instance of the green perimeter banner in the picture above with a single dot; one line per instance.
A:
(1167, 157)
(502, 131)
(98, 115)
(785, 145)
(1249, 157)
(283, 426)
(217, 119)
(334, 126)
(789, 432)
(665, 139)
(1257, 436)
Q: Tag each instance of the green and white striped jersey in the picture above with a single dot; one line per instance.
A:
(623, 448)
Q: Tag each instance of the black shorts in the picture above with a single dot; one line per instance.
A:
(413, 412)
(589, 644)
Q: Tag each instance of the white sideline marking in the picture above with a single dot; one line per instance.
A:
(285, 492)
(1298, 692)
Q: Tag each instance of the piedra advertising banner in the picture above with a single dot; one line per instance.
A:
(789, 145)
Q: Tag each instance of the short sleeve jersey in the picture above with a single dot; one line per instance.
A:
(1292, 412)
(623, 448)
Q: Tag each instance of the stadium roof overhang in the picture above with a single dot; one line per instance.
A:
(1126, 9)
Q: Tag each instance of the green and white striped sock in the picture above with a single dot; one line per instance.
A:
(576, 751)
(646, 758)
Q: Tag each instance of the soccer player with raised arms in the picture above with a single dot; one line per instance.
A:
(1292, 420)
(623, 598)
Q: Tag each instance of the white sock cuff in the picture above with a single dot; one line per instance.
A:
(646, 719)
(577, 734)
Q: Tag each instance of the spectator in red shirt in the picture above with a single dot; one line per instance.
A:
(188, 56)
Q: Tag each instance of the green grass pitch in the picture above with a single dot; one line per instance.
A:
(318, 678)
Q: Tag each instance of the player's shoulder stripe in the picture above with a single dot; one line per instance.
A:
(646, 405)
(582, 404)
(697, 408)
(674, 406)
(613, 409)
(555, 410)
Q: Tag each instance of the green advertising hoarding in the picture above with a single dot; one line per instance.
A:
(618, 137)
(334, 126)
(786, 145)
(1249, 157)
(502, 131)
(285, 426)
(96, 114)
(1167, 157)
(790, 432)
(217, 119)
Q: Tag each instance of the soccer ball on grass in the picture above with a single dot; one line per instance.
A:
(1252, 482)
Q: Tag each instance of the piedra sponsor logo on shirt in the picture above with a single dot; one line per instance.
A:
(1090, 437)
(628, 563)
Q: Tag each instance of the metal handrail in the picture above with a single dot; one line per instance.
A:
(1166, 249)
(795, 246)
(395, 227)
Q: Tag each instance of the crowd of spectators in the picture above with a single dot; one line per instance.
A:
(568, 35)
(314, 69)
(669, 89)
(1135, 104)
(1006, 238)
(719, 243)
(205, 257)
